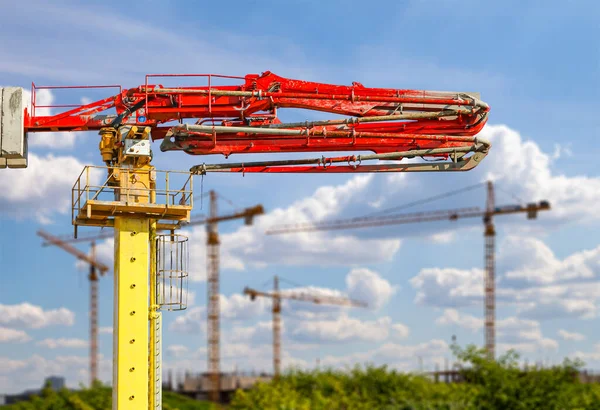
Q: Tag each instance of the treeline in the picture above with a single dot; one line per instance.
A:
(98, 397)
(489, 385)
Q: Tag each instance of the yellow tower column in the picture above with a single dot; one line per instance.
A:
(130, 338)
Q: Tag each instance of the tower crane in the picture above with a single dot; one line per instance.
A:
(491, 210)
(136, 199)
(212, 274)
(93, 278)
(277, 296)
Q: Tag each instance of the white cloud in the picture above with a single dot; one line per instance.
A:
(443, 237)
(547, 309)
(192, 321)
(366, 285)
(573, 336)
(240, 307)
(105, 251)
(522, 335)
(51, 140)
(29, 372)
(106, 330)
(260, 332)
(234, 307)
(42, 189)
(26, 315)
(453, 317)
(8, 365)
(191, 298)
(530, 277)
(63, 343)
(249, 246)
(177, 350)
(13, 335)
(517, 165)
(400, 331)
(593, 356)
(342, 329)
(398, 356)
(448, 287)
(528, 259)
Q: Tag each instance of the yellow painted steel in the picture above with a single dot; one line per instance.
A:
(130, 341)
(152, 317)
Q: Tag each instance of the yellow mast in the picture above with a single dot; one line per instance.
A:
(130, 201)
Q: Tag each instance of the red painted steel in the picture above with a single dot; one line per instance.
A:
(243, 118)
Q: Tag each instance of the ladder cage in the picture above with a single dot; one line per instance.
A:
(172, 261)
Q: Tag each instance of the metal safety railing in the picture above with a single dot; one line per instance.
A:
(209, 85)
(35, 88)
(125, 186)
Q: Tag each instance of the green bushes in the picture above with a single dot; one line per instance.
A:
(489, 384)
(98, 397)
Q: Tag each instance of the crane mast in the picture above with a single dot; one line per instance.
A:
(490, 273)
(276, 328)
(277, 296)
(212, 272)
(93, 317)
(139, 200)
(95, 265)
(213, 277)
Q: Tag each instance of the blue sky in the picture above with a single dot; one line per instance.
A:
(537, 65)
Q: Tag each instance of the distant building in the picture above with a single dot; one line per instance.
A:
(197, 386)
(56, 383)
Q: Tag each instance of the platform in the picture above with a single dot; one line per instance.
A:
(97, 204)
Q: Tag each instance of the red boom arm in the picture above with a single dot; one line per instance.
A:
(243, 119)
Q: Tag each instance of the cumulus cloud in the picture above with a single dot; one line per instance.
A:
(530, 277)
(249, 246)
(362, 285)
(241, 307)
(342, 329)
(368, 286)
(453, 317)
(523, 335)
(63, 343)
(177, 350)
(51, 140)
(400, 331)
(592, 357)
(26, 315)
(531, 177)
(260, 332)
(572, 336)
(105, 252)
(530, 260)
(192, 321)
(43, 188)
(13, 335)
(448, 287)
(394, 355)
(443, 237)
(19, 374)
(234, 307)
